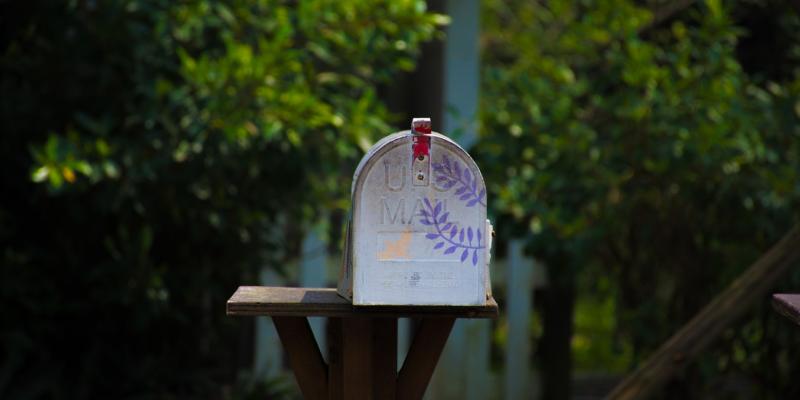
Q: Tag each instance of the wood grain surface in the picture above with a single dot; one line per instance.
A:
(788, 305)
(320, 302)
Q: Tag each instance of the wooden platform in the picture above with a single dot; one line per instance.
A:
(362, 359)
(319, 302)
(788, 305)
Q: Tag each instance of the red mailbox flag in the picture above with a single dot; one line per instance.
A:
(421, 128)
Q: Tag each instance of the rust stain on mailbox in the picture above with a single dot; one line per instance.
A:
(418, 233)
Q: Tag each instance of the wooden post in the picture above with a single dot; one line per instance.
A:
(363, 341)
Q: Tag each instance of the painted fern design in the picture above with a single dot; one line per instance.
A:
(449, 236)
(451, 173)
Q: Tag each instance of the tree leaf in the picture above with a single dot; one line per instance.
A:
(464, 255)
(438, 245)
(450, 250)
(443, 218)
(432, 236)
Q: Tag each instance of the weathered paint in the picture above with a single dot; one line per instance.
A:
(418, 233)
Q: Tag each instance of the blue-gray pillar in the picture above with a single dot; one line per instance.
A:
(313, 273)
(519, 275)
(463, 370)
(269, 353)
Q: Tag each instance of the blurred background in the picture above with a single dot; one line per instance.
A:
(640, 155)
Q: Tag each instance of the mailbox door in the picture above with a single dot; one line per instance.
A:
(419, 226)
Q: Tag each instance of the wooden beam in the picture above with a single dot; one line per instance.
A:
(304, 356)
(720, 313)
(422, 357)
(788, 305)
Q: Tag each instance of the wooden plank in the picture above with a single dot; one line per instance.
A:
(422, 357)
(324, 302)
(357, 358)
(384, 357)
(714, 318)
(788, 305)
(335, 362)
(304, 356)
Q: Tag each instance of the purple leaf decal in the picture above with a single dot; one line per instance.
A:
(430, 217)
(455, 174)
(472, 202)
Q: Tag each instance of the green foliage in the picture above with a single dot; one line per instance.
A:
(642, 151)
(156, 154)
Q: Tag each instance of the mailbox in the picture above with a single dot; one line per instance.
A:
(418, 233)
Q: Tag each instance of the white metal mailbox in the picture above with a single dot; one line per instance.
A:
(418, 233)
